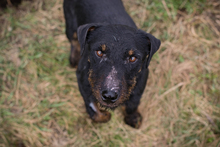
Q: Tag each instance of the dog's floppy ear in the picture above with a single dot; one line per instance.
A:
(82, 32)
(154, 45)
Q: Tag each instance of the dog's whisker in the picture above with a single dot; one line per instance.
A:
(115, 38)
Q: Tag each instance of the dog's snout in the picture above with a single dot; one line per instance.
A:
(109, 96)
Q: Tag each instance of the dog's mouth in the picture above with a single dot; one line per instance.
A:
(108, 105)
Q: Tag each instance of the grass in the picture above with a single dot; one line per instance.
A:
(40, 104)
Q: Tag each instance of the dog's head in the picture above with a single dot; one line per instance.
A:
(117, 53)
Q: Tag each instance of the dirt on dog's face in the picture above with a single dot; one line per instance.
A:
(117, 55)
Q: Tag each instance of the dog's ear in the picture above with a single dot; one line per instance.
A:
(153, 42)
(82, 33)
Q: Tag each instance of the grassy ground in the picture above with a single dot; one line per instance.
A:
(40, 104)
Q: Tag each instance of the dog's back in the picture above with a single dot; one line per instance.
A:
(100, 11)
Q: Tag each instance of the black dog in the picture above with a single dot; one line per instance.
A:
(113, 66)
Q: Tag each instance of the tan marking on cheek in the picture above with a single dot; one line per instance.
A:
(90, 78)
(88, 60)
(103, 47)
(94, 88)
(131, 52)
(132, 86)
(124, 94)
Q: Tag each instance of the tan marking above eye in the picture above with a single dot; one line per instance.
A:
(99, 53)
(131, 52)
(132, 59)
(103, 47)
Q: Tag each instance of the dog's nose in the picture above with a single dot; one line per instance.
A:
(109, 96)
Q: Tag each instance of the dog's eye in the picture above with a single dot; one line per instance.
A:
(132, 59)
(99, 53)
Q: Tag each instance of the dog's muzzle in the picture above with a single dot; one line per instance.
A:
(111, 91)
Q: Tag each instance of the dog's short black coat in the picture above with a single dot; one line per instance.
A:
(5, 3)
(113, 57)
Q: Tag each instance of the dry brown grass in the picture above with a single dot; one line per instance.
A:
(40, 103)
